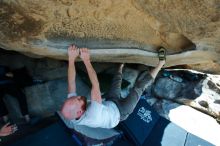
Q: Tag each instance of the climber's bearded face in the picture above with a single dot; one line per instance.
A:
(73, 108)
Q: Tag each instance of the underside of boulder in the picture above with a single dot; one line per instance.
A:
(129, 31)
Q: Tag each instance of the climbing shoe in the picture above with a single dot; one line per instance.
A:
(162, 54)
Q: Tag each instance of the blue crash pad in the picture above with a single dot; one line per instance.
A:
(144, 127)
(53, 135)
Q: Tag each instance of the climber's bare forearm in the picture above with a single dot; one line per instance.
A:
(95, 92)
(71, 77)
(73, 53)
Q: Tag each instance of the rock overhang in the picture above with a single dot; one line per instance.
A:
(114, 33)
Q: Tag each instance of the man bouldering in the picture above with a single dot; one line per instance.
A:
(108, 113)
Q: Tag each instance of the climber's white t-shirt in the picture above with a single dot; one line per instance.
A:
(104, 115)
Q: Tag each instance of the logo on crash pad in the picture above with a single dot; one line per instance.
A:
(145, 115)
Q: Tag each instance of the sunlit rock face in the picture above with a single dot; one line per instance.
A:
(116, 31)
(198, 90)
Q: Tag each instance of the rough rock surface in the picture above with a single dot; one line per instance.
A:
(198, 90)
(117, 31)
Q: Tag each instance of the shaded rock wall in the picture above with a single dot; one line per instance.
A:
(116, 31)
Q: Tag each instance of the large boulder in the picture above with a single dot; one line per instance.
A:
(116, 31)
(198, 90)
